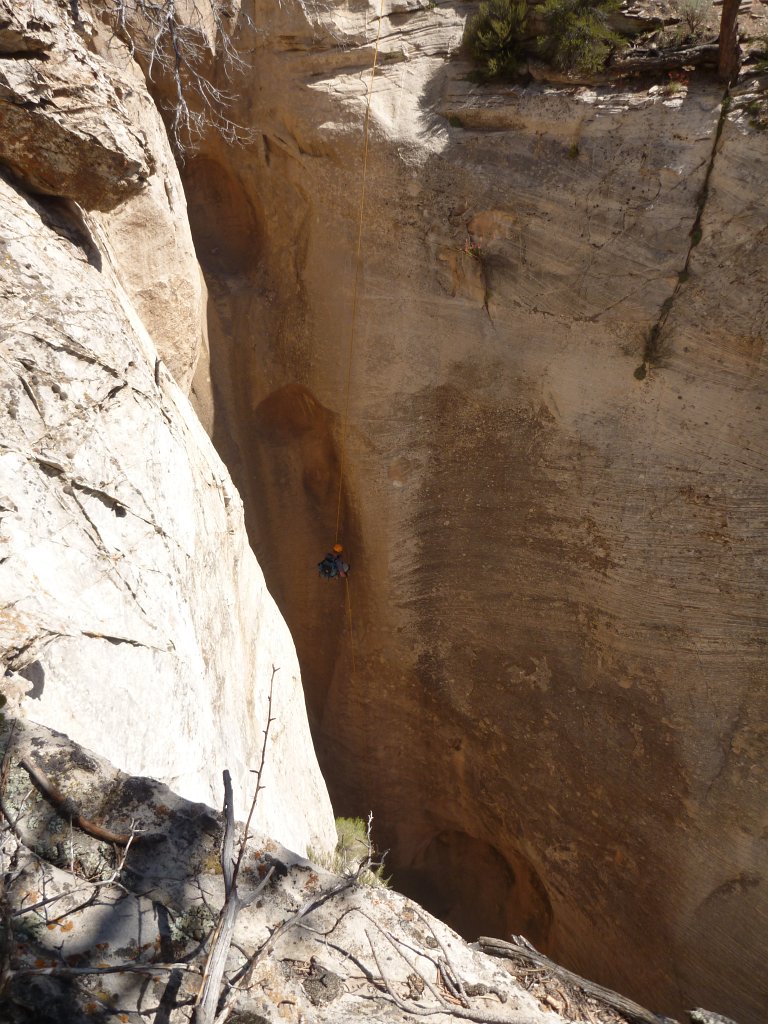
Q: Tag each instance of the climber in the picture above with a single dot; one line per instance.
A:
(333, 564)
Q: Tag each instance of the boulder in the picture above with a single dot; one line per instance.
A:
(63, 128)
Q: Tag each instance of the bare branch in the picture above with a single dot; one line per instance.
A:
(259, 774)
(242, 978)
(463, 1012)
(177, 50)
(129, 968)
(525, 951)
(10, 824)
(412, 966)
(228, 843)
(449, 973)
(70, 812)
(93, 886)
(210, 991)
(728, 50)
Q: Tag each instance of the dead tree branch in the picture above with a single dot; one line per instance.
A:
(525, 952)
(176, 43)
(641, 61)
(69, 811)
(210, 991)
(242, 978)
(728, 57)
(93, 887)
(129, 968)
(443, 1006)
(259, 775)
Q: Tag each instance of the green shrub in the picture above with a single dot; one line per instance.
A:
(353, 849)
(693, 17)
(495, 38)
(577, 36)
(352, 846)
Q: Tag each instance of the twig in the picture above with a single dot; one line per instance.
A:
(129, 968)
(10, 824)
(259, 774)
(410, 964)
(210, 990)
(6, 766)
(6, 938)
(465, 1013)
(453, 981)
(365, 973)
(312, 904)
(175, 46)
(242, 977)
(4, 770)
(385, 980)
(112, 880)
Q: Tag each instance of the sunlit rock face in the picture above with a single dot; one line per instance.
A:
(546, 676)
(134, 615)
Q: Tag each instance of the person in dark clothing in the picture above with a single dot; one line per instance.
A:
(333, 564)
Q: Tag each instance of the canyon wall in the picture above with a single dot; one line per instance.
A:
(546, 676)
(134, 615)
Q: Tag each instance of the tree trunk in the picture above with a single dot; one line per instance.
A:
(728, 63)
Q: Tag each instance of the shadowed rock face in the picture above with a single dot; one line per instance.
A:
(476, 889)
(546, 675)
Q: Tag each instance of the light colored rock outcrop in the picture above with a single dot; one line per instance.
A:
(80, 124)
(134, 615)
(555, 478)
(26, 28)
(63, 129)
(330, 969)
(149, 239)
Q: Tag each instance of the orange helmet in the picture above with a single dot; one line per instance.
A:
(338, 548)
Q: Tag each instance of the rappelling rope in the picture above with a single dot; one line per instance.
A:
(355, 287)
(348, 381)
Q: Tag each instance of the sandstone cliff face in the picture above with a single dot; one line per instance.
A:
(134, 615)
(552, 692)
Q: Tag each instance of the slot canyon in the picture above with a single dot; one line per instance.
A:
(549, 683)
(533, 411)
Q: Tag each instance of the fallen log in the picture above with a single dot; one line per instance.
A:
(705, 55)
(522, 950)
(634, 62)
